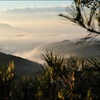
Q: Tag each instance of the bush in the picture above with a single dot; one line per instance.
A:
(59, 79)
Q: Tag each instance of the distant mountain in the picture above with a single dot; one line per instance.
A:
(22, 66)
(3, 25)
(65, 48)
(6, 28)
(85, 51)
(61, 46)
(69, 48)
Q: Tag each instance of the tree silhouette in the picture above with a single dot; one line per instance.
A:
(69, 79)
(58, 79)
(85, 13)
(6, 78)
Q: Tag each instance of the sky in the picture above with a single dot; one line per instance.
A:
(14, 12)
(12, 4)
(25, 25)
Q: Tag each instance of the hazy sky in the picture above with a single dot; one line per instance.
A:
(21, 3)
(31, 13)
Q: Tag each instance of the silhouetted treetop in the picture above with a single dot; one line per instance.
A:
(85, 13)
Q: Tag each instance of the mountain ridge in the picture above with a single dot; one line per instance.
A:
(69, 48)
(7, 28)
(23, 67)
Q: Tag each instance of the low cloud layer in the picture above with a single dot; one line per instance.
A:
(36, 26)
(35, 9)
(26, 43)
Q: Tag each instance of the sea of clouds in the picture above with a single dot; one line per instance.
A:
(26, 29)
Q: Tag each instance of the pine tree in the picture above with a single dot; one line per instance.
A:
(85, 13)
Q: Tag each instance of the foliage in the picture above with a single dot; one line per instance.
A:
(6, 77)
(13, 89)
(67, 79)
(59, 79)
(73, 78)
(85, 13)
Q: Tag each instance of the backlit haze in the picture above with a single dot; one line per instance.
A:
(25, 25)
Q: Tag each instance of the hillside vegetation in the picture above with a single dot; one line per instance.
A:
(60, 79)
(22, 66)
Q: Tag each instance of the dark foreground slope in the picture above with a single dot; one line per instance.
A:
(22, 66)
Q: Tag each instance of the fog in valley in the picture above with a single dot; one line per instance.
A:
(24, 31)
(25, 42)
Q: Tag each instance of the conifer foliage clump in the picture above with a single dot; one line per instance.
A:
(58, 79)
